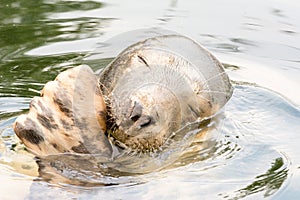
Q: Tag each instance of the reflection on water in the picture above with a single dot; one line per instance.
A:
(25, 26)
(251, 149)
(269, 182)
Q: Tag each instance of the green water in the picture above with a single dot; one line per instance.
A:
(254, 149)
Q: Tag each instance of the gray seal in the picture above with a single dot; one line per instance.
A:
(156, 86)
(147, 93)
(82, 121)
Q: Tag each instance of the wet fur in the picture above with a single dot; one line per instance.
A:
(64, 119)
(148, 63)
(74, 112)
(68, 117)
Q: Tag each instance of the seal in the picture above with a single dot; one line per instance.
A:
(148, 92)
(142, 103)
(156, 86)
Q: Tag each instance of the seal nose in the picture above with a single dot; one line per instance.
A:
(136, 112)
(136, 116)
(144, 121)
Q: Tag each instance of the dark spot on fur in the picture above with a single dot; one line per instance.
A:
(48, 123)
(32, 137)
(80, 149)
(81, 123)
(32, 103)
(47, 112)
(143, 60)
(67, 135)
(41, 106)
(29, 132)
(63, 106)
(54, 145)
(66, 125)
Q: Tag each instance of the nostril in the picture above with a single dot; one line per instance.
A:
(136, 112)
(135, 117)
(144, 121)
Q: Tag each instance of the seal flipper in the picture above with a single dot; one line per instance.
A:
(68, 117)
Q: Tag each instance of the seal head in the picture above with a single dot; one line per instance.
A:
(156, 86)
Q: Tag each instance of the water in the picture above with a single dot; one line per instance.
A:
(252, 151)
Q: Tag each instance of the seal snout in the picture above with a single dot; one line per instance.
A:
(144, 121)
(136, 111)
(137, 117)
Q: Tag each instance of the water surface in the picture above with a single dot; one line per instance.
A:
(252, 151)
